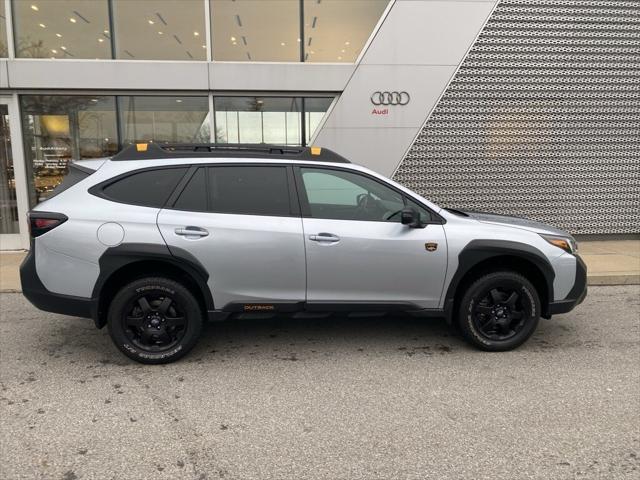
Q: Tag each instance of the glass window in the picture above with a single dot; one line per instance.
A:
(336, 30)
(314, 110)
(249, 190)
(340, 195)
(164, 119)
(8, 205)
(3, 32)
(62, 29)
(256, 30)
(275, 120)
(194, 196)
(160, 29)
(59, 128)
(150, 188)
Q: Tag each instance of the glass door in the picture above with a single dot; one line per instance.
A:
(13, 194)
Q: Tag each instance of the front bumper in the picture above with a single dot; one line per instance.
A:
(40, 297)
(577, 293)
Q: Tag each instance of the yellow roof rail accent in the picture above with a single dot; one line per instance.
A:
(316, 150)
(141, 147)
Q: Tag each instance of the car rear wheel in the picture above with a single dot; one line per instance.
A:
(154, 320)
(499, 311)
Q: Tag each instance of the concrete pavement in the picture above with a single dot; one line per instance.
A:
(367, 398)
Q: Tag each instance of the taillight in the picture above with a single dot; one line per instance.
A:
(42, 222)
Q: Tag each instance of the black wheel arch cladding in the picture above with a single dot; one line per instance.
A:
(114, 259)
(478, 251)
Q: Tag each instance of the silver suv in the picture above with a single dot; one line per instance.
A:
(158, 238)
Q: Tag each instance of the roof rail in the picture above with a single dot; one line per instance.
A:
(149, 151)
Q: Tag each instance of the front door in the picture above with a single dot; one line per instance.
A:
(243, 224)
(357, 249)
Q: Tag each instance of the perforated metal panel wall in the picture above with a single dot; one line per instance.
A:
(542, 119)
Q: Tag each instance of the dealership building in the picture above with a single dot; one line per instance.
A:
(523, 107)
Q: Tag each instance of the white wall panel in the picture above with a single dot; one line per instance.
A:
(417, 49)
(301, 77)
(428, 32)
(95, 74)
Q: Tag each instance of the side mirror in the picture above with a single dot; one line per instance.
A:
(410, 217)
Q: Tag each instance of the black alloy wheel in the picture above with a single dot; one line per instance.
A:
(155, 320)
(499, 311)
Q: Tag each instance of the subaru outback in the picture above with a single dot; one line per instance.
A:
(160, 238)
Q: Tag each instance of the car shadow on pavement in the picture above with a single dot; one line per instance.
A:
(290, 338)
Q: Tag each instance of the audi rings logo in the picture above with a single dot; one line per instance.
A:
(390, 98)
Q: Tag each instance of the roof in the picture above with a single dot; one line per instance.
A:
(155, 151)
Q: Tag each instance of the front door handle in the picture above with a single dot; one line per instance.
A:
(192, 232)
(325, 237)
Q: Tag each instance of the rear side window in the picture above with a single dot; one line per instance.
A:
(194, 196)
(149, 188)
(249, 190)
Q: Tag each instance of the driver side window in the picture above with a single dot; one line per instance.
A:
(340, 195)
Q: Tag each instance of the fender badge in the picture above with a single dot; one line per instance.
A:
(431, 246)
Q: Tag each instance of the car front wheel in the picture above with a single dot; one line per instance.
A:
(499, 311)
(154, 320)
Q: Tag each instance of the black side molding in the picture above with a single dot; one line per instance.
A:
(116, 258)
(480, 250)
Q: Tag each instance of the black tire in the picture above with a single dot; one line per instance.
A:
(154, 320)
(499, 311)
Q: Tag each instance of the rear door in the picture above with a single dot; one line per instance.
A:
(242, 222)
(358, 252)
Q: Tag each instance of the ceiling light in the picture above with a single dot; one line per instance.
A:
(151, 22)
(95, 100)
(178, 100)
(53, 50)
(282, 43)
(343, 50)
(58, 35)
(42, 25)
(34, 8)
(195, 34)
(347, 43)
(101, 40)
(233, 39)
(106, 31)
(204, 46)
(298, 40)
(63, 47)
(72, 20)
(160, 33)
(339, 58)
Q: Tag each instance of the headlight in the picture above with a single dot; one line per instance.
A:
(567, 244)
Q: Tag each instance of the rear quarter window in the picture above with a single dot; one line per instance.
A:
(148, 188)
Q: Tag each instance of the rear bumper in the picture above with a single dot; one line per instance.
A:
(40, 297)
(577, 293)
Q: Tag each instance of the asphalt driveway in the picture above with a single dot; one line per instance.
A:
(366, 398)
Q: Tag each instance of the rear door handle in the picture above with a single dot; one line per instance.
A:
(325, 237)
(192, 232)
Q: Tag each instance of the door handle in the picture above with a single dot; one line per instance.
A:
(325, 237)
(191, 232)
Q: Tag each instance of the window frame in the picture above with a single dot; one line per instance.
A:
(294, 203)
(98, 189)
(305, 208)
